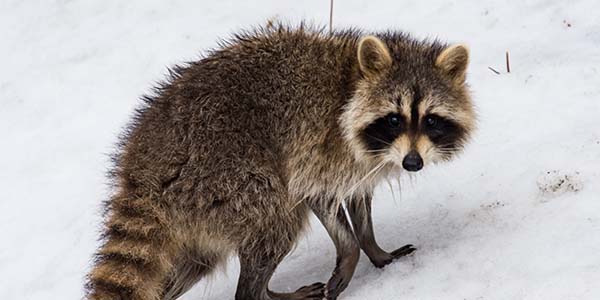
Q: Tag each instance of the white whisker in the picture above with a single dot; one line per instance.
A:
(391, 190)
(356, 185)
(399, 187)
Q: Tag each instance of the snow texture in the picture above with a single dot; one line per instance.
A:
(517, 216)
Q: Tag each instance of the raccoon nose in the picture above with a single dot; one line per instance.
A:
(412, 161)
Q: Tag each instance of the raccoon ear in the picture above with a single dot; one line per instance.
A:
(373, 56)
(453, 61)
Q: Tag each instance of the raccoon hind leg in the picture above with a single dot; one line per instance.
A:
(256, 269)
(267, 237)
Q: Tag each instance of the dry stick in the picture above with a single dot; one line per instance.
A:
(492, 69)
(507, 62)
(330, 16)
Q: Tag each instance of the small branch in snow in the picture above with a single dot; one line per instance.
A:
(330, 16)
(493, 70)
(507, 62)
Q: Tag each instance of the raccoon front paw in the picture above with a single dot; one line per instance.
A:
(338, 283)
(315, 291)
(403, 251)
(385, 258)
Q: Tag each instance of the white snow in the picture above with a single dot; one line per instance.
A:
(516, 217)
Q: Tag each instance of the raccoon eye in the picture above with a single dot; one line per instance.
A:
(434, 126)
(394, 121)
(431, 121)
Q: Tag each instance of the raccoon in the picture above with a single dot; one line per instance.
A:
(232, 154)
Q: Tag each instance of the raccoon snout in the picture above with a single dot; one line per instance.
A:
(412, 161)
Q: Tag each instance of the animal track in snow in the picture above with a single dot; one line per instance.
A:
(554, 183)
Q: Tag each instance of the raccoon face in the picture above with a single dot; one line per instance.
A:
(411, 106)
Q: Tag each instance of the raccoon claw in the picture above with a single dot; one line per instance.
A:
(387, 258)
(403, 251)
(314, 291)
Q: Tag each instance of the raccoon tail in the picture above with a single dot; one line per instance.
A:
(137, 255)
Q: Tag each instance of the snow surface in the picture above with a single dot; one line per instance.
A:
(516, 217)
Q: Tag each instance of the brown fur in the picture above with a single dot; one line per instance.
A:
(230, 155)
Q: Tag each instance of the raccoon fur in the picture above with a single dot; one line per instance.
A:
(231, 155)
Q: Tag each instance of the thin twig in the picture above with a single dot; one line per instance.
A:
(492, 69)
(330, 16)
(507, 63)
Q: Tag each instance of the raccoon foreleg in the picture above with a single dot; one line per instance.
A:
(347, 248)
(359, 210)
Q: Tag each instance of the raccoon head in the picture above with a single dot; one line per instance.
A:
(411, 106)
